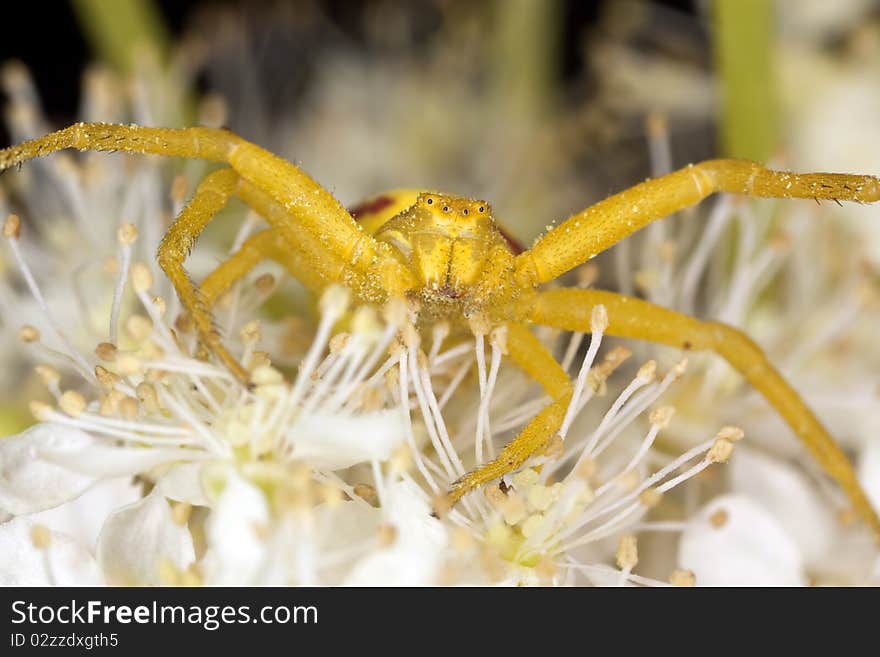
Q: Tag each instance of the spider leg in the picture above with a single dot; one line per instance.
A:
(200, 143)
(633, 318)
(269, 243)
(535, 359)
(588, 233)
(303, 253)
(305, 201)
(289, 242)
(300, 261)
(209, 198)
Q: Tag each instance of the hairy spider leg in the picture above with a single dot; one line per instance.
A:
(588, 233)
(628, 317)
(284, 182)
(304, 200)
(530, 354)
(293, 247)
(269, 243)
(289, 243)
(210, 197)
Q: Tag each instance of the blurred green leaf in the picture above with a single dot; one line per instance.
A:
(525, 53)
(118, 29)
(743, 44)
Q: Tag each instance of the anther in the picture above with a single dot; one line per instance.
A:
(682, 578)
(72, 403)
(40, 537)
(732, 434)
(106, 351)
(12, 226)
(141, 277)
(720, 451)
(627, 552)
(28, 333)
(48, 375)
(126, 234)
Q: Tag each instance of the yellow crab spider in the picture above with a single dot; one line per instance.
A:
(449, 254)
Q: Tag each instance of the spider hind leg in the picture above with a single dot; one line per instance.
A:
(534, 359)
(628, 317)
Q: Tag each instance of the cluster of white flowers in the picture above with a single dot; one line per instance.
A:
(186, 476)
(791, 282)
(150, 464)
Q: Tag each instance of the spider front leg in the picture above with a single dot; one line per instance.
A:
(303, 204)
(588, 233)
(269, 243)
(200, 143)
(536, 360)
(210, 197)
(304, 200)
(289, 244)
(633, 318)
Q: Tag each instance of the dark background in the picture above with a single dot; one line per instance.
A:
(47, 38)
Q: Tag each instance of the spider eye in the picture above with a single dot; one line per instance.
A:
(445, 208)
(464, 212)
(482, 209)
(430, 201)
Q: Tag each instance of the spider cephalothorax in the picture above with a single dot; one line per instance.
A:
(444, 241)
(448, 254)
(452, 246)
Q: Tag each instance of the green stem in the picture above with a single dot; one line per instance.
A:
(743, 41)
(525, 53)
(118, 29)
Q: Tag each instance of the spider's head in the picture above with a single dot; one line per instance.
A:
(445, 239)
(451, 236)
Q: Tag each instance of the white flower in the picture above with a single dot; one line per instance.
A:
(790, 498)
(81, 519)
(333, 477)
(733, 541)
(417, 542)
(138, 539)
(36, 556)
(52, 463)
(332, 470)
(236, 533)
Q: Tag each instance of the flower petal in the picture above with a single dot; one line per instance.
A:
(61, 562)
(50, 463)
(29, 482)
(416, 554)
(333, 442)
(183, 483)
(733, 541)
(137, 539)
(83, 518)
(789, 496)
(869, 471)
(236, 552)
